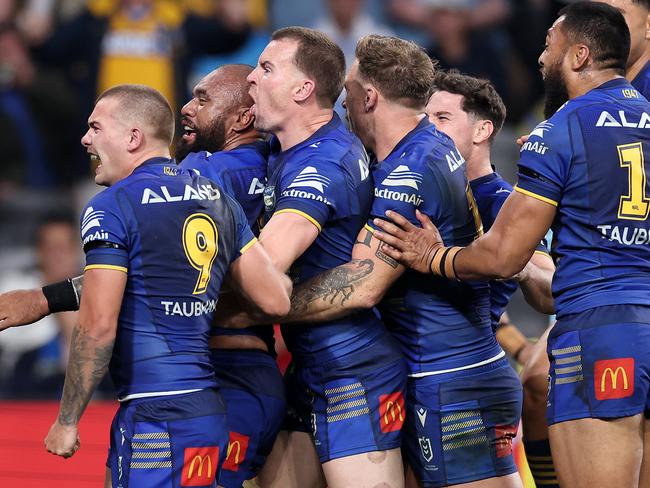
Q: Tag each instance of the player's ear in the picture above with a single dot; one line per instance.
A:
(306, 88)
(243, 119)
(483, 130)
(647, 27)
(372, 96)
(579, 55)
(136, 139)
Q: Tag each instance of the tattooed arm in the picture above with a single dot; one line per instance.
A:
(357, 285)
(91, 349)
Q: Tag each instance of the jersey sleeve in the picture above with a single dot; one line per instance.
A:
(313, 190)
(243, 233)
(544, 162)
(404, 189)
(104, 234)
(207, 165)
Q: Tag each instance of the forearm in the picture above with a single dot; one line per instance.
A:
(90, 355)
(334, 293)
(536, 286)
(491, 257)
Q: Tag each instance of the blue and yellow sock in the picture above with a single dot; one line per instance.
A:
(538, 454)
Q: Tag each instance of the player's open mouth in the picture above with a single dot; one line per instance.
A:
(95, 159)
(189, 133)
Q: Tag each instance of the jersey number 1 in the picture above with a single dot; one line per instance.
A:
(200, 241)
(634, 205)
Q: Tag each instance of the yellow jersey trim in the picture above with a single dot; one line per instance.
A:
(106, 266)
(536, 196)
(302, 214)
(543, 253)
(250, 244)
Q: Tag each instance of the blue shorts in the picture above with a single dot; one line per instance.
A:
(600, 364)
(169, 442)
(350, 405)
(253, 391)
(459, 426)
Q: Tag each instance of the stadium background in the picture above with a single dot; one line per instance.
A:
(56, 55)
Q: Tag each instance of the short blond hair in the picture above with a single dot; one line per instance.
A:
(144, 105)
(401, 70)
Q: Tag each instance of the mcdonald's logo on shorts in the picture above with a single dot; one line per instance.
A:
(391, 412)
(236, 453)
(199, 466)
(614, 378)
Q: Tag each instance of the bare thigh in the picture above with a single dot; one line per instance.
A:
(598, 453)
(292, 463)
(534, 379)
(108, 482)
(509, 481)
(378, 469)
(644, 482)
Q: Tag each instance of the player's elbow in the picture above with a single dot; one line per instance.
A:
(506, 266)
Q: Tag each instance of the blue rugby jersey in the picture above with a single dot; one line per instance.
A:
(642, 81)
(326, 180)
(175, 234)
(441, 324)
(242, 171)
(591, 160)
(491, 192)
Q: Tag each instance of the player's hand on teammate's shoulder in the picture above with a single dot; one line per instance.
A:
(521, 140)
(62, 440)
(410, 245)
(22, 307)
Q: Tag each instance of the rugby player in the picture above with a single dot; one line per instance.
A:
(471, 113)
(348, 377)
(460, 382)
(598, 390)
(220, 143)
(141, 305)
(535, 374)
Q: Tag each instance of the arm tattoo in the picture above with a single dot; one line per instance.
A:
(385, 257)
(87, 365)
(366, 239)
(333, 286)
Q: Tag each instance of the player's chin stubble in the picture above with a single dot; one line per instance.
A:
(555, 90)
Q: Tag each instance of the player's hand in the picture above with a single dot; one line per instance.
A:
(22, 307)
(62, 440)
(521, 140)
(410, 245)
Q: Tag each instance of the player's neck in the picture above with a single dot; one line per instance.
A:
(146, 155)
(391, 127)
(638, 65)
(477, 168)
(239, 139)
(582, 84)
(301, 128)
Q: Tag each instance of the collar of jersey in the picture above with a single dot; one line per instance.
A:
(485, 179)
(645, 72)
(154, 162)
(612, 84)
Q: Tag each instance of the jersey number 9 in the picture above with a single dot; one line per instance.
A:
(200, 241)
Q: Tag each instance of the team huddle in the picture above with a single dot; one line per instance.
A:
(402, 247)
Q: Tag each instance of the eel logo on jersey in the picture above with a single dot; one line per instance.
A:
(614, 378)
(199, 466)
(540, 129)
(310, 178)
(391, 412)
(403, 176)
(92, 218)
(425, 448)
(236, 453)
(256, 187)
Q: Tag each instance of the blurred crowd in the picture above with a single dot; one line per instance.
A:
(56, 56)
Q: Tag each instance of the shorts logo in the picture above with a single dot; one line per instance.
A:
(614, 378)
(236, 453)
(503, 439)
(199, 466)
(391, 412)
(425, 448)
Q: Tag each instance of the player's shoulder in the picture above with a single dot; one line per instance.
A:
(490, 185)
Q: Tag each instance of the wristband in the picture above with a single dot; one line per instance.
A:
(443, 262)
(61, 296)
